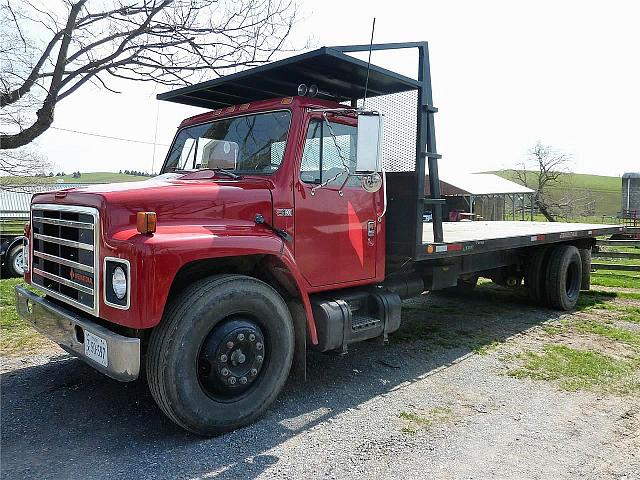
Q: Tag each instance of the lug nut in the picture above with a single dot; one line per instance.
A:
(223, 358)
(252, 337)
(229, 344)
(254, 372)
(232, 380)
(259, 358)
(224, 372)
(243, 380)
(259, 346)
(240, 337)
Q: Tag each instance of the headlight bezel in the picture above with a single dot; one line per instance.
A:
(111, 264)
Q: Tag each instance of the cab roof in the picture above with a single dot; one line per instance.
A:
(338, 76)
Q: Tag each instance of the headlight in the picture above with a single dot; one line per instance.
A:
(119, 282)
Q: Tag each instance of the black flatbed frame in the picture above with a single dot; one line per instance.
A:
(468, 238)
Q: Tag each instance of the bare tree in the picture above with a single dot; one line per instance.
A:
(170, 42)
(22, 168)
(543, 169)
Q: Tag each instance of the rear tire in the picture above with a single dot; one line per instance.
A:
(207, 318)
(564, 277)
(585, 256)
(534, 276)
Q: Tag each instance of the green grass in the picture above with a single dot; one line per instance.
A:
(611, 294)
(609, 331)
(476, 339)
(12, 227)
(579, 369)
(554, 329)
(16, 337)
(615, 278)
(606, 191)
(620, 249)
(618, 261)
(630, 313)
(435, 415)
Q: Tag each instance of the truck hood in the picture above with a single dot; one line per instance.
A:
(176, 201)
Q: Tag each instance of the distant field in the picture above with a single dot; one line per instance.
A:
(606, 191)
(101, 177)
(89, 177)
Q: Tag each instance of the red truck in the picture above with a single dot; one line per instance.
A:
(282, 220)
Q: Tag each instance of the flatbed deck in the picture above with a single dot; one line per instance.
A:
(462, 238)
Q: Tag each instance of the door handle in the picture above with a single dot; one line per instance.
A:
(371, 229)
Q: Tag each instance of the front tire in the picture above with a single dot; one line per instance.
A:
(221, 354)
(15, 262)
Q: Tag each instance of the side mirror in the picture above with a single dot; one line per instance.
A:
(369, 147)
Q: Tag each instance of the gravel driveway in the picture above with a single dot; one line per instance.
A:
(412, 409)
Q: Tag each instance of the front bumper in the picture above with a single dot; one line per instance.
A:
(67, 329)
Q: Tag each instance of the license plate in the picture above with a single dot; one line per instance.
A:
(96, 348)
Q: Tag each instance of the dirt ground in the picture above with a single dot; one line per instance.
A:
(449, 398)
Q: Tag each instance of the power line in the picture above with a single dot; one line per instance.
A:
(109, 137)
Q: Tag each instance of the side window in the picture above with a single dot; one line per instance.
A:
(321, 157)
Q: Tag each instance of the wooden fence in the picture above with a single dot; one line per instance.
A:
(617, 255)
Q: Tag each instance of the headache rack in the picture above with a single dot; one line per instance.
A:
(410, 143)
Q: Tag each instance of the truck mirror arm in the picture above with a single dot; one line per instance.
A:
(281, 233)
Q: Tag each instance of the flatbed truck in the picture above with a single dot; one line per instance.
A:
(288, 217)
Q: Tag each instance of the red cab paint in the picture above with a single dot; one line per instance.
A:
(203, 216)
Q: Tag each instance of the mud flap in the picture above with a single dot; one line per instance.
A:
(299, 316)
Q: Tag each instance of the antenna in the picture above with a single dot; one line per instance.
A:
(366, 83)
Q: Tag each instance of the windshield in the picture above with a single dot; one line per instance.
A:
(247, 144)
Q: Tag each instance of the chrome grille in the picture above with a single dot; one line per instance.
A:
(65, 262)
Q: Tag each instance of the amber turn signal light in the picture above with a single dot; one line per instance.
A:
(146, 222)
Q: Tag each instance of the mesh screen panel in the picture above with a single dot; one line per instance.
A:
(400, 124)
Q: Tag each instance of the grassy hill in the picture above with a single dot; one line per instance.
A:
(100, 177)
(606, 191)
(89, 177)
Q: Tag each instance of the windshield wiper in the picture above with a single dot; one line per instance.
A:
(229, 173)
(224, 171)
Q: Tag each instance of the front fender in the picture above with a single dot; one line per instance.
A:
(156, 259)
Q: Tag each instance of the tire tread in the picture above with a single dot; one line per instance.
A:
(163, 334)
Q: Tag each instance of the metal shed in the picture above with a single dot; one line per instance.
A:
(486, 195)
(16, 199)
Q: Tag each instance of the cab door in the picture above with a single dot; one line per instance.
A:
(335, 225)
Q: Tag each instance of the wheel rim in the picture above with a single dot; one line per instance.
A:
(232, 359)
(18, 263)
(573, 281)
